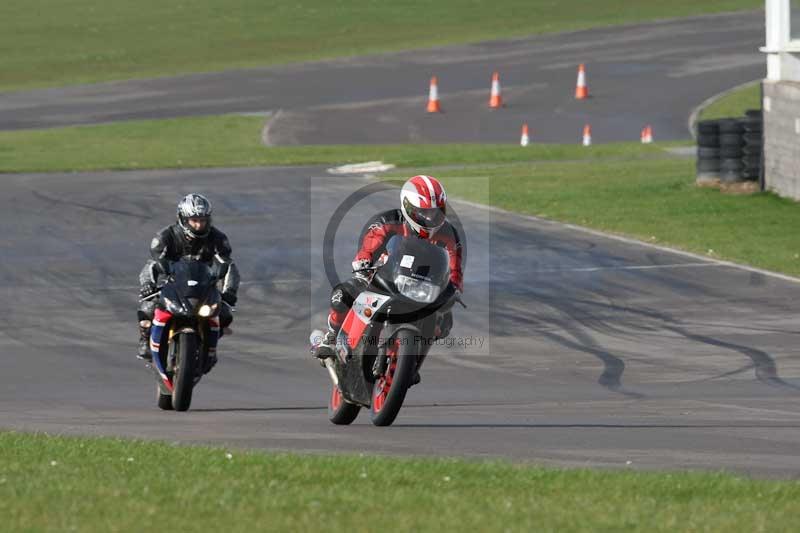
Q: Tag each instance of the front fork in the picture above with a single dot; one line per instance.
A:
(206, 337)
(332, 371)
(381, 363)
(173, 347)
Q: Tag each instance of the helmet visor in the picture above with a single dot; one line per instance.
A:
(430, 218)
(197, 224)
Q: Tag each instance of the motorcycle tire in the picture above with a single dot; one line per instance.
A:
(708, 140)
(341, 412)
(751, 150)
(729, 152)
(707, 153)
(731, 139)
(751, 174)
(729, 126)
(753, 139)
(752, 161)
(708, 165)
(708, 127)
(164, 400)
(389, 390)
(183, 378)
(731, 165)
(753, 127)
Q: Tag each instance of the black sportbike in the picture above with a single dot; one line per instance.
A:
(186, 318)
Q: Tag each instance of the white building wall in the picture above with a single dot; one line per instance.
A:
(781, 102)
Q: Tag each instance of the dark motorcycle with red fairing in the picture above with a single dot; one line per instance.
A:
(388, 331)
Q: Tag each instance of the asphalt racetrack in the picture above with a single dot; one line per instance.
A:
(639, 74)
(576, 349)
(595, 351)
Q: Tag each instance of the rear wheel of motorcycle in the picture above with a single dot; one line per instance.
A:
(164, 400)
(341, 412)
(390, 389)
(184, 371)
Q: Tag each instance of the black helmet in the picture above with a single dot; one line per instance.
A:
(194, 206)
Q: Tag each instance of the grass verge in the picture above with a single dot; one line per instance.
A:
(62, 484)
(233, 140)
(734, 104)
(50, 43)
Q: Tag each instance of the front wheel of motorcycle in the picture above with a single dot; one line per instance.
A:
(390, 389)
(184, 371)
(341, 412)
(164, 400)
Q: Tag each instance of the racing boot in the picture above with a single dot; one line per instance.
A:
(144, 341)
(327, 348)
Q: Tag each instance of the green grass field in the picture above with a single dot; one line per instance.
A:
(46, 43)
(231, 140)
(65, 484)
(734, 104)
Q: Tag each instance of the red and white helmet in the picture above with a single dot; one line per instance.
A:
(423, 203)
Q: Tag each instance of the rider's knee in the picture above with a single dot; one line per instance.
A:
(225, 317)
(146, 310)
(341, 298)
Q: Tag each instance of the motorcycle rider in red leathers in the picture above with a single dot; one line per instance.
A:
(422, 214)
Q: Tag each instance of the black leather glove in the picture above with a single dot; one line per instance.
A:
(147, 289)
(360, 274)
(229, 298)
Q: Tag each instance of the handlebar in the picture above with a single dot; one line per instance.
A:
(151, 296)
(373, 269)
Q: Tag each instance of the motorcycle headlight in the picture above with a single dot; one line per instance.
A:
(417, 290)
(207, 310)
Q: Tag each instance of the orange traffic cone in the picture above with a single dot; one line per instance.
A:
(495, 100)
(524, 139)
(581, 89)
(587, 135)
(433, 97)
(647, 134)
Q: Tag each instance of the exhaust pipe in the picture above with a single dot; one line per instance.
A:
(315, 339)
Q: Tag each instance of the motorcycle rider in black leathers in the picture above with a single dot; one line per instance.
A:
(192, 236)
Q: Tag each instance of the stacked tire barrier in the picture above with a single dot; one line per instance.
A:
(708, 163)
(753, 138)
(729, 149)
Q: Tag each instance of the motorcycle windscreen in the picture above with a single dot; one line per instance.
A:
(192, 278)
(417, 258)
